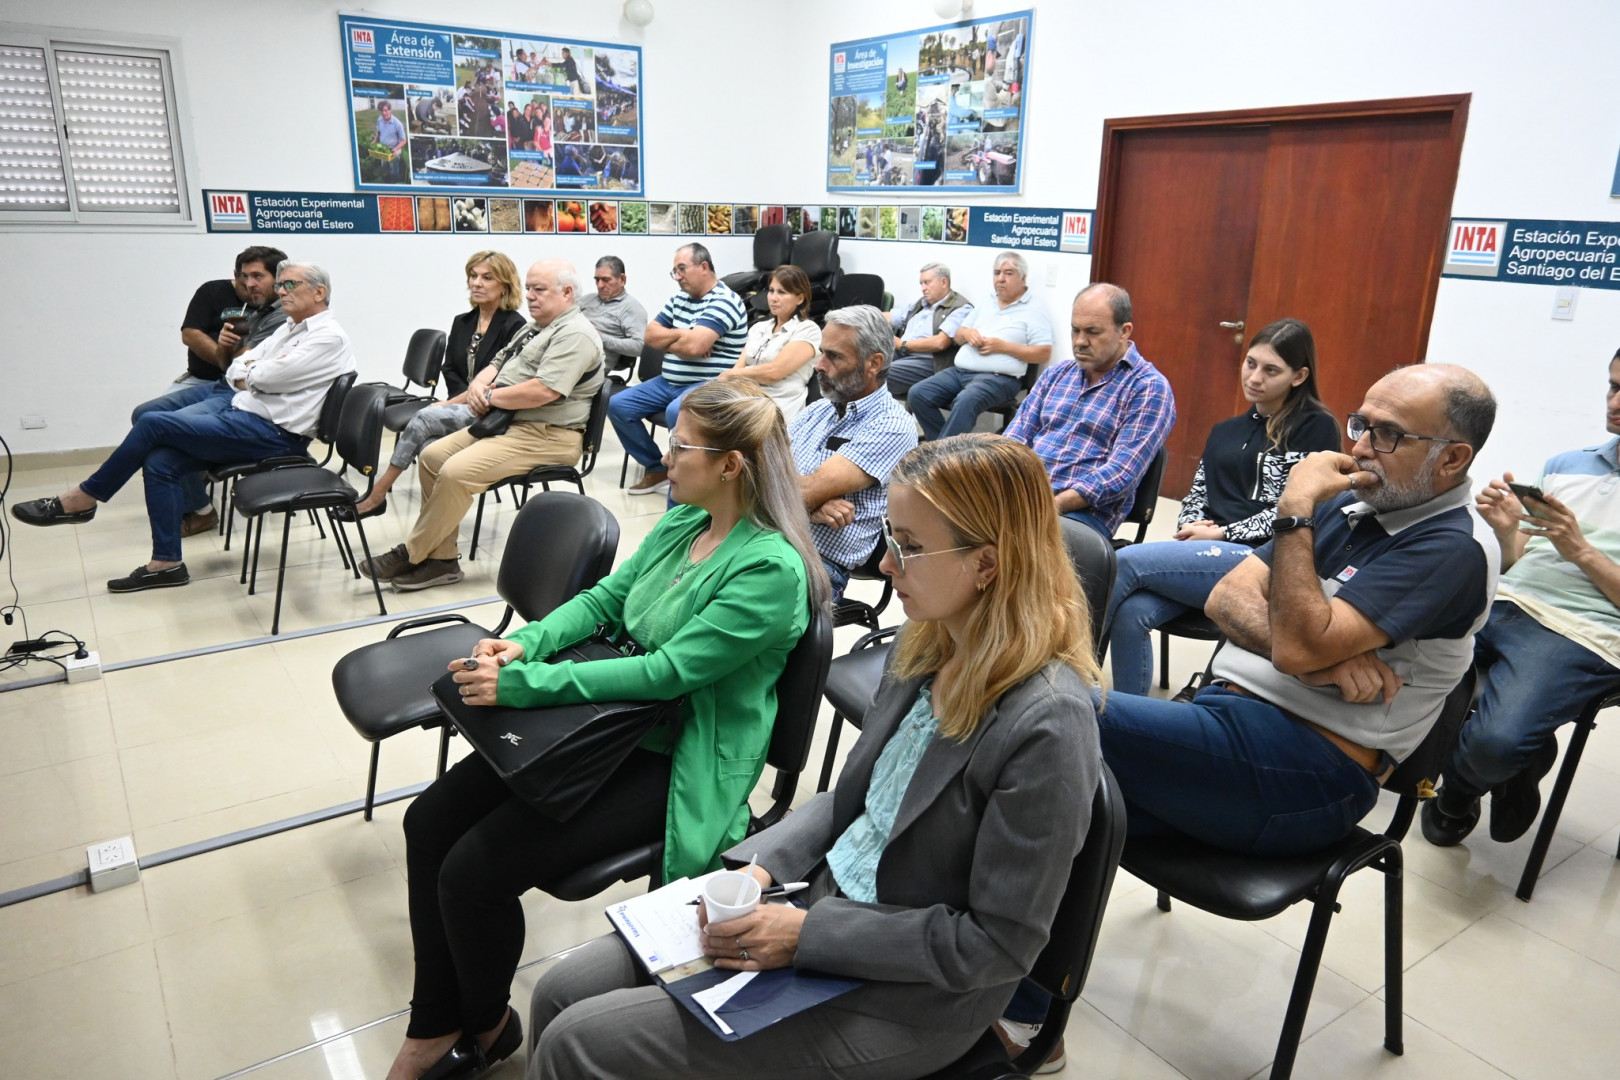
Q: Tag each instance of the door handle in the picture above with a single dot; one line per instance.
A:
(1232, 325)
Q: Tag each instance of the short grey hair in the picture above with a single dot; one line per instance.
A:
(1018, 261)
(313, 274)
(1119, 301)
(873, 334)
(938, 269)
(564, 274)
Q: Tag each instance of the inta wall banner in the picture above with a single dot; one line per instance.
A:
(477, 111)
(1533, 251)
(941, 107)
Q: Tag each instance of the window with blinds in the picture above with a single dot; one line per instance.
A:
(88, 134)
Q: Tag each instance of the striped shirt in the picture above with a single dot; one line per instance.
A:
(874, 432)
(1552, 590)
(1098, 440)
(721, 310)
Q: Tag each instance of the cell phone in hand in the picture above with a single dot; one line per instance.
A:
(1527, 491)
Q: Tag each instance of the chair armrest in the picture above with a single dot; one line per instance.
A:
(427, 620)
(874, 638)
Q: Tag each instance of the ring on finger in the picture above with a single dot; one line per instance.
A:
(742, 954)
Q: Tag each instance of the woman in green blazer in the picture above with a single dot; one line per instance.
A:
(718, 594)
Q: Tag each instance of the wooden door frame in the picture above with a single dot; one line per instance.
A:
(1452, 106)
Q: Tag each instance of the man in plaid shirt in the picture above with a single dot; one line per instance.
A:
(1097, 420)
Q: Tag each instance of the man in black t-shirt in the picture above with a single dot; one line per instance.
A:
(211, 344)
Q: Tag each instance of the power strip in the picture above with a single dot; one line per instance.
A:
(85, 670)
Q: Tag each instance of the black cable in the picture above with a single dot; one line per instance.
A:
(74, 645)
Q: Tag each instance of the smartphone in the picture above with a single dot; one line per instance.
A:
(1527, 491)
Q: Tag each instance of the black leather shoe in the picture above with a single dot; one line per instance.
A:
(140, 579)
(507, 1042)
(49, 512)
(1517, 800)
(464, 1059)
(346, 513)
(1444, 829)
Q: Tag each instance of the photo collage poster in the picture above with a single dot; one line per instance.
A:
(471, 111)
(940, 107)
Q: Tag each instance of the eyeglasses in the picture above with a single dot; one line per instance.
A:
(287, 285)
(680, 268)
(1384, 438)
(900, 558)
(676, 446)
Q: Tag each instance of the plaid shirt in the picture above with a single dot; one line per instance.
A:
(1098, 440)
(874, 432)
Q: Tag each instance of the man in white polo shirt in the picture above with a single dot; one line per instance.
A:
(998, 342)
(1552, 645)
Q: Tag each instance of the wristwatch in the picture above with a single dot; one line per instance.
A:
(1286, 524)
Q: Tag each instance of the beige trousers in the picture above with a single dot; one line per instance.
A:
(454, 470)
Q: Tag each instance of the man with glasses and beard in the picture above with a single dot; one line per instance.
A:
(1557, 614)
(846, 444)
(1345, 634)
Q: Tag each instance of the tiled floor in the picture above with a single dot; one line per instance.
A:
(289, 956)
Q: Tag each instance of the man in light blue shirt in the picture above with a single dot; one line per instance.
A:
(925, 333)
(999, 343)
(391, 135)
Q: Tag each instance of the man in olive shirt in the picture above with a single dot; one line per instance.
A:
(547, 375)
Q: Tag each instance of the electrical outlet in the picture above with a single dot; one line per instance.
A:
(86, 670)
(32, 421)
(112, 863)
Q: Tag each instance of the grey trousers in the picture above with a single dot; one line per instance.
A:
(428, 425)
(908, 371)
(596, 1014)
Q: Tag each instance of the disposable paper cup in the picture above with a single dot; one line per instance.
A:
(730, 895)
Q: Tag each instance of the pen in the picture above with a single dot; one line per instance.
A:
(774, 890)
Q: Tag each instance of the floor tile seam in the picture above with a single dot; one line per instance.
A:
(1129, 1035)
(1611, 966)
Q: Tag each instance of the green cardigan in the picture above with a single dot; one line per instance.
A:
(748, 609)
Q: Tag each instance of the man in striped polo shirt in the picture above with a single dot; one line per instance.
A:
(701, 330)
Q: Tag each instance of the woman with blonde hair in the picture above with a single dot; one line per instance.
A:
(476, 336)
(937, 864)
(715, 598)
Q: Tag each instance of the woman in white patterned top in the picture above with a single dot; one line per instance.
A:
(781, 351)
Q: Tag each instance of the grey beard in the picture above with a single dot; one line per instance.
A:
(1389, 496)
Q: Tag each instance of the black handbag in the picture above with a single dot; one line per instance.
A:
(555, 758)
(494, 422)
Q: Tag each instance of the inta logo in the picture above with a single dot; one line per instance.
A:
(362, 39)
(839, 64)
(228, 211)
(1475, 247)
(1076, 235)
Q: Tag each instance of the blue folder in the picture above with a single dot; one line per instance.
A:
(771, 996)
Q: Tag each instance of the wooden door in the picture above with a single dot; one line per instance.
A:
(1335, 214)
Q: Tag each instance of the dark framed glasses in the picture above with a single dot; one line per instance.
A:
(1385, 438)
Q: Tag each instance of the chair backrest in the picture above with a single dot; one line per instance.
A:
(798, 698)
(1095, 564)
(651, 363)
(595, 424)
(1061, 967)
(1416, 777)
(424, 356)
(773, 246)
(816, 253)
(561, 543)
(868, 570)
(360, 428)
(1146, 499)
(858, 289)
(326, 425)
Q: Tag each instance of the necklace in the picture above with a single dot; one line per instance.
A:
(686, 565)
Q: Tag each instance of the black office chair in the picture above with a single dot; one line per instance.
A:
(1555, 801)
(773, 246)
(1007, 410)
(852, 680)
(650, 365)
(798, 699)
(816, 253)
(1254, 887)
(292, 489)
(1189, 624)
(424, 357)
(1064, 962)
(561, 544)
(848, 612)
(326, 425)
(858, 289)
(1146, 500)
(546, 475)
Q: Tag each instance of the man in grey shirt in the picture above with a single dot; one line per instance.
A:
(617, 316)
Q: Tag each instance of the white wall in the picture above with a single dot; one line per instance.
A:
(736, 111)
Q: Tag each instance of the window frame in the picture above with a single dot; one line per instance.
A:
(166, 50)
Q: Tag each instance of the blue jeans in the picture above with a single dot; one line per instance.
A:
(186, 391)
(1231, 771)
(965, 393)
(1156, 583)
(837, 577)
(1532, 680)
(1092, 518)
(630, 407)
(169, 446)
(908, 371)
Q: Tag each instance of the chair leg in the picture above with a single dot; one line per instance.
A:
(255, 530)
(315, 519)
(1555, 806)
(371, 779)
(281, 571)
(345, 549)
(376, 586)
(1162, 902)
(832, 751)
(1394, 917)
(624, 469)
(478, 523)
(1164, 660)
(228, 500)
(247, 549)
(1310, 961)
(445, 731)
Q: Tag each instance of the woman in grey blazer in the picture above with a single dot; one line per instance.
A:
(938, 862)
